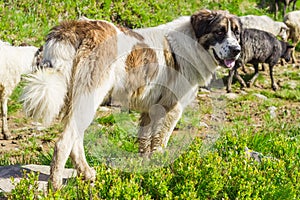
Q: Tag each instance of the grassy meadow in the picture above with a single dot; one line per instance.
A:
(206, 157)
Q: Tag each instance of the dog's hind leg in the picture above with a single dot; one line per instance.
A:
(71, 140)
(62, 151)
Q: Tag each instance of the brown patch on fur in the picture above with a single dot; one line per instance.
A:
(96, 48)
(97, 51)
(131, 33)
(169, 56)
(77, 32)
(141, 66)
(203, 21)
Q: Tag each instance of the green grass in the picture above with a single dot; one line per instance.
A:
(210, 164)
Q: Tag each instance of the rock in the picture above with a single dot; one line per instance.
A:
(231, 95)
(260, 96)
(292, 84)
(253, 154)
(16, 171)
(203, 124)
(243, 92)
(272, 110)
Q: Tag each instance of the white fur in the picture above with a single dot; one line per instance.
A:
(14, 61)
(45, 96)
(162, 101)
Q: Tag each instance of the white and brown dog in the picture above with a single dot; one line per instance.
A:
(156, 71)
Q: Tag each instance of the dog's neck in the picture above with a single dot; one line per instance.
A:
(189, 53)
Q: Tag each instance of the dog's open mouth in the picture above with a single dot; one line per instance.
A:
(228, 63)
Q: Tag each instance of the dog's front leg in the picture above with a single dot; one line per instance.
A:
(229, 80)
(256, 74)
(144, 135)
(273, 83)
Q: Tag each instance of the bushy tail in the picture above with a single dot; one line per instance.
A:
(43, 96)
(45, 92)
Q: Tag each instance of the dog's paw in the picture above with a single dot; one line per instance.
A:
(90, 174)
(54, 183)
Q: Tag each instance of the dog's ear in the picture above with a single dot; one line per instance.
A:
(201, 20)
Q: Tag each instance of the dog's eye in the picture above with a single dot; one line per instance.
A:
(236, 32)
(220, 33)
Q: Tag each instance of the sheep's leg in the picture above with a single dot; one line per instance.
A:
(276, 8)
(256, 73)
(284, 9)
(273, 83)
(263, 68)
(5, 132)
(294, 60)
(294, 4)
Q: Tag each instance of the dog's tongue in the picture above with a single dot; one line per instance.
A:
(229, 63)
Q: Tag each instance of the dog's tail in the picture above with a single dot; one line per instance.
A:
(43, 96)
(46, 89)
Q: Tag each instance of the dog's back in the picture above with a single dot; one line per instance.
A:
(260, 47)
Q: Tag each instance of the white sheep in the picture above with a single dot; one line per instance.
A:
(292, 20)
(267, 24)
(14, 61)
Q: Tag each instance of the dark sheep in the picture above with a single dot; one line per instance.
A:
(259, 47)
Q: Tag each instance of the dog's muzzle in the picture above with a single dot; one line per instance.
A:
(233, 56)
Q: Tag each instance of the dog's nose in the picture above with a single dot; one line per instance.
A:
(235, 50)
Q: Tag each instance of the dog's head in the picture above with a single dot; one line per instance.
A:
(219, 33)
(287, 50)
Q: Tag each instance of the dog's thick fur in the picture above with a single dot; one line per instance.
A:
(14, 61)
(259, 47)
(156, 71)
